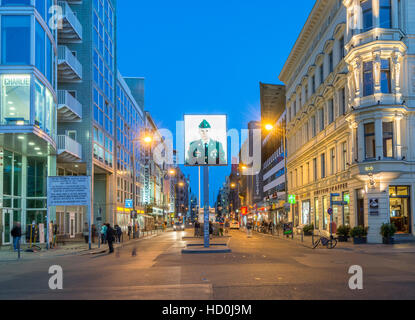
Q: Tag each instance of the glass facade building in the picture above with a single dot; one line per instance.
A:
(28, 112)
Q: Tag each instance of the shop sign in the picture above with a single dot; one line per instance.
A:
(374, 207)
(291, 199)
(16, 81)
(244, 211)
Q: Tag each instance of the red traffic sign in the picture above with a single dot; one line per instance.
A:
(330, 211)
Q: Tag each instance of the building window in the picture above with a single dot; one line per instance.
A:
(370, 144)
(331, 110)
(323, 165)
(367, 15)
(306, 132)
(15, 99)
(15, 40)
(341, 44)
(313, 126)
(368, 85)
(333, 161)
(313, 84)
(385, 78)
(315, 169)
(321, 116)
(385, 14)
(342, 101)
(331, 62)
(388, 139)
(344, 156)
(322, 73)
(346, 209)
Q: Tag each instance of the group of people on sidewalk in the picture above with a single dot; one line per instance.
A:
(223, 228)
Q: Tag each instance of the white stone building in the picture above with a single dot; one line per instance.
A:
(351, 115)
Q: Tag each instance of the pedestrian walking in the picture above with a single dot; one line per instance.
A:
(104, 233)
(249, 228)
(227, 226)
(110, 237)
(93, 232)
(130, 229)
(86, 232)
(16, 233)
(118, 232)
(271, 227)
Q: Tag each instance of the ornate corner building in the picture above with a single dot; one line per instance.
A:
(350, 115)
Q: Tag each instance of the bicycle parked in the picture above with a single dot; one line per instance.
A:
(329, 243)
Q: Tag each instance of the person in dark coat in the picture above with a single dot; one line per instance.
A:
(16, 234)
(118, 232)
(210, 229)
(110, 238)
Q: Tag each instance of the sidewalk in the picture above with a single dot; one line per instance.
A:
(8, 255)
(307, 241)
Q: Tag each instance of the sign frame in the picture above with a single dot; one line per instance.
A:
(224, 147)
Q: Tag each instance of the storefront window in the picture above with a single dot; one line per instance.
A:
(346, 209)
(400, 208)
(325, 208)
(7, 173)
(316, 214)
(15, 39)
(36, 176)
(306, 212)
(15, 99)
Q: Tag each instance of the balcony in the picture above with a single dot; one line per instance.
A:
(71, 30)
(68, 149)
(69, 109)
(69, 68)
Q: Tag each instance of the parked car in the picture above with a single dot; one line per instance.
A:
(178, 226)
(234, 225)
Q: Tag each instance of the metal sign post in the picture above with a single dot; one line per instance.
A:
(206, 205)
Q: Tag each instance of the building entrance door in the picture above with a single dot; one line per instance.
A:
(72, 225)
(7, 226)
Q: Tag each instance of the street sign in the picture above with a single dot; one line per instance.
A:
(330, 211)
(291, 199)
(129, 203)
(340, 203)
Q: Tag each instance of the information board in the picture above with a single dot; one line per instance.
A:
(69, 191)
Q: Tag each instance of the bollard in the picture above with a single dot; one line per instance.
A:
(302, 236)
(18, 249)
(312, 238)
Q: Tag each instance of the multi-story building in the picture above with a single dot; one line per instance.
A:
(350, 115)
(273, 153)
(28, 99)
(87, 75)
(130, 150)
(155, 197)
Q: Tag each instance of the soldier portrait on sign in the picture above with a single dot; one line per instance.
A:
(205, 139)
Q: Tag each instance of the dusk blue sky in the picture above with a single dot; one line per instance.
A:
(207, 57)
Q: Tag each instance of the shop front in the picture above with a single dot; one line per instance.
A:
(400, 208)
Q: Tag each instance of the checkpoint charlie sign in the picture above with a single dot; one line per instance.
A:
(69, 191)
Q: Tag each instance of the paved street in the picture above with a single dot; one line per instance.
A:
(258, 268)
